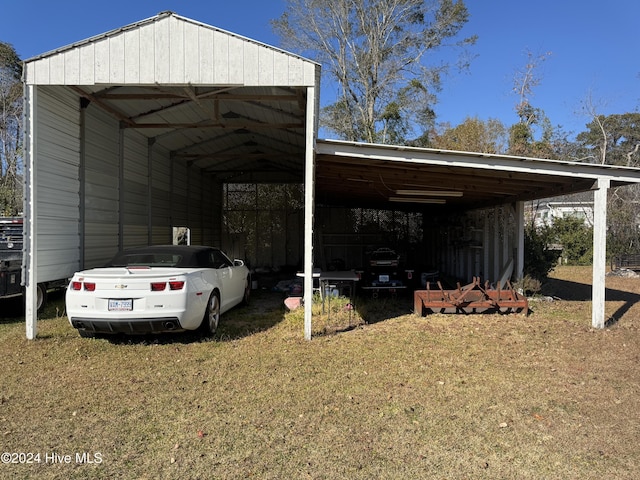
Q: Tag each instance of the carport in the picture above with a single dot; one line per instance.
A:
(446, 183)
(133, 132)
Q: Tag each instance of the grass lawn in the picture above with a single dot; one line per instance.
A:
(378, 393)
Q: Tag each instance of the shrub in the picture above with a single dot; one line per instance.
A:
(539, 260)
(576, 239)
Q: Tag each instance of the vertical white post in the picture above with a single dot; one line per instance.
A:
(519, 213)
(599, 252)
(30, 249)
(309, 188)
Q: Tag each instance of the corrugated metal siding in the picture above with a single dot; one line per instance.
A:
(160, 196)
(135, 195)
(179, 190)
(194, 209)
(213, 216)
(56, 160)
(171, 49)
(101, 196)
(178, 195)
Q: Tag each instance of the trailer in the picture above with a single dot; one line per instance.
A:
(11, 254)
(10, 257)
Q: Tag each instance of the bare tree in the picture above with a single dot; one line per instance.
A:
(376, 51)
(10, 130)
(597, 129)
(522, 139)
(525, 80)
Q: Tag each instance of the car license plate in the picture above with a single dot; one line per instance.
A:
(120, 305)
(383, 278)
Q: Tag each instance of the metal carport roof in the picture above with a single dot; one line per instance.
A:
(380, 176)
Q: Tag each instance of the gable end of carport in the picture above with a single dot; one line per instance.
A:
(170, 49)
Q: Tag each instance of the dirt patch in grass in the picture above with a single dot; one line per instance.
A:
(373, 395)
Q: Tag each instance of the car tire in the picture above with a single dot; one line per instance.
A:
(211, 315)
(247, 292)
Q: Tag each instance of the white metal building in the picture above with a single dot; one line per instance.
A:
(135, 131)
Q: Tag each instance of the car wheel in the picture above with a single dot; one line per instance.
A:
(247, 291)
(211, 315)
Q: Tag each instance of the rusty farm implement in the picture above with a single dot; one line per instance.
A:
(472, 298)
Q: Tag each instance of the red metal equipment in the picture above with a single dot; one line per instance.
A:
(471, 298)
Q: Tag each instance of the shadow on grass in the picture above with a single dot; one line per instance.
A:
(582, 292)
(384, 306)
(12, 309)
(375, 310)
(266, 310)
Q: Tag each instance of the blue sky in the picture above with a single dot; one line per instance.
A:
(594, 47)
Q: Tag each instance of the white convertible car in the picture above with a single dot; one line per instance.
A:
(167, 288)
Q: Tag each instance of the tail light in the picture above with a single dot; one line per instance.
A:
(79, 285)
(161, 286)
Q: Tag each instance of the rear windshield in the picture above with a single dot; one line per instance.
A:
(147, 260)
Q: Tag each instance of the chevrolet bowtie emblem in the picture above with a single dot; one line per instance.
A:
(121, 286)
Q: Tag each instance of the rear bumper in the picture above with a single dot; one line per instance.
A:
(137, 325)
